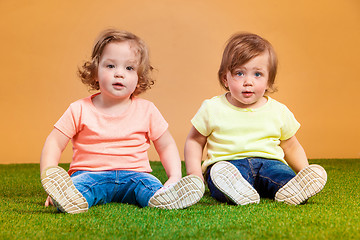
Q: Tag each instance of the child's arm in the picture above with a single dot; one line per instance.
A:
(54, 145)
(169, 157)
(194, 147)
(294, 154)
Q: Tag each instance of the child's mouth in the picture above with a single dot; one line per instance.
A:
(118, 85)
(247, 94)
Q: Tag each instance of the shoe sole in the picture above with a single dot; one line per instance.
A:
(304, 185)
(185, 193)
(59, 186)
(228, 179)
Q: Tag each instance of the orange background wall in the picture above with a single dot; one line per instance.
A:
(43, 42)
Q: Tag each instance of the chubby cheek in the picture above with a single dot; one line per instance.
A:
(235, 91)
(135, 84)
(101, 76)
(233, 86)
(264, 88)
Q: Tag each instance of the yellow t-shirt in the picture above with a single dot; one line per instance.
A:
(237, 133)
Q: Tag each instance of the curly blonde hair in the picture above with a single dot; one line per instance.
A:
(88, 72)
(241, 48)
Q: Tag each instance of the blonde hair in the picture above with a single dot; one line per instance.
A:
(241, 48)
(88, 72)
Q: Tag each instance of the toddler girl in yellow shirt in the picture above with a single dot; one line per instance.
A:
(252, 150)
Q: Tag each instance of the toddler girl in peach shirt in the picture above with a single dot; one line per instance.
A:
(111, 132)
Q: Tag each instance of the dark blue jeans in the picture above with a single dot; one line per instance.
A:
(265, 175)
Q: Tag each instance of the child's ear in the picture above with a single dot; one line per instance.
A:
(224, 80)
(268, 87)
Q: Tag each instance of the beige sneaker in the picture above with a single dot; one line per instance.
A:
(304, 185)
(185, 193)
(228, 179)
(59, 186)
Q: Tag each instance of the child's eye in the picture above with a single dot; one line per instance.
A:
(258, 74)
(240, 74)
(129, 68)
(110, 66)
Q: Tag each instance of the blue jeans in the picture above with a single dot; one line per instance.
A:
(265, 175)
(116, 186)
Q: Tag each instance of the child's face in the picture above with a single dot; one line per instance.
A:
(249, 82)
(117, 71)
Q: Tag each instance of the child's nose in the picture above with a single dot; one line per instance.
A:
(119, 73)
(247, 81)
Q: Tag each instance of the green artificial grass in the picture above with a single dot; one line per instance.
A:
(332, 214)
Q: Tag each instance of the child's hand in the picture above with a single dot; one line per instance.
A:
(48, 202)
(164, 188)
(171, 181)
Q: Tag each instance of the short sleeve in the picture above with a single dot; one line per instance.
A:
(289, 124)
(69, 121)
(158, 124)
(201, 120)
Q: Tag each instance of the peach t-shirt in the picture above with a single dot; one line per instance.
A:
(102, 142)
